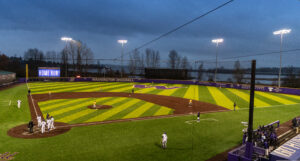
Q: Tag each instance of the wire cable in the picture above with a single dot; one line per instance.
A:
(179, 27)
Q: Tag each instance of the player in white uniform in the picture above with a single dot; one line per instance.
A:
(43, 125)
(164, 140)
(39, 120)
(52, 123)
(48, 124)
(19, 103)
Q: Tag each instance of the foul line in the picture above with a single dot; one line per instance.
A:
(208, 119)
(32, 101)
(268, 106)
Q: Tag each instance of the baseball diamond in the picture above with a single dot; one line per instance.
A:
(158, 109)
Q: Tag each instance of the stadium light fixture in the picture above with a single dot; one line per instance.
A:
(281, 33)
(66, 39)
(217, 41)
(122, 42)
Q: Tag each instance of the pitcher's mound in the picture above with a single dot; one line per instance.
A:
(100, 107)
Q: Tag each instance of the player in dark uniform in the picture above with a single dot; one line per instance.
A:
(29, 91)
(234, 105)
(198, 117)
(30, 126)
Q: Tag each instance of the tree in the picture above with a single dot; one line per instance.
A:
(185, 63)
(238, 74)
(64, 61)
(200, 71)
(87, 57)
(290, 80)
(4, 61)
(51, 56)
(174, 59)
(34, 54)
(152, 58)
(135, 62)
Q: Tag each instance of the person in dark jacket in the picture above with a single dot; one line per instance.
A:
(30, 126)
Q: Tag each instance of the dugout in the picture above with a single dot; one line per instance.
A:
(154, 73)
(7, 77)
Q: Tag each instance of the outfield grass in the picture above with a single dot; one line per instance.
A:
(129, 141)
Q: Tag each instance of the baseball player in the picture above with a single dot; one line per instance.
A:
(39, 120)
(52, 123)
(94, 104)
(48, 124)
(198, 117)
(191, 103)
(19, 103)
(234, 105)
(164, 140)
(43, 124)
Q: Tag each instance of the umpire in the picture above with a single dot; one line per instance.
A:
(30, 126)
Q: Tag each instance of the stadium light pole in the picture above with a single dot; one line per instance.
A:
(217, 41)
(122, 42)
(66, 39)
(281, 33)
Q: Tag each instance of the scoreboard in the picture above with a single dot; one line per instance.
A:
(49, 72)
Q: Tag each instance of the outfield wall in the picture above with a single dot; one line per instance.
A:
(293, 91)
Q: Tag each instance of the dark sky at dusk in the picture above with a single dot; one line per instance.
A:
(246, 25)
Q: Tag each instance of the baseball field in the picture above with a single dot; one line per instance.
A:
(131, 128)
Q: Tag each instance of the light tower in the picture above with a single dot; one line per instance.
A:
(217, 41)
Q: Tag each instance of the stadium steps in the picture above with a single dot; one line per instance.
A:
(286, 136)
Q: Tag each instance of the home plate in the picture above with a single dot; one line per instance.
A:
(208, 119)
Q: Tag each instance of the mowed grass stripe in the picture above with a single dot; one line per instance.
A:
(151, 90)
(114, 103)
(111, 101)
(100, 88)
(241, 103)
(57, 86)
(119, 86)
(220, 98)
(146, 90)
(46, 103)
(139, 111)
(192, 93)
(64, 103)
(265, 99)
(180, 92)
(78, 105)
(79, 101)
(277, 98)
(50, 85)
(128, 110)
(246, 97)
(72, 89)
(42, 85)
(163, 111)
(75, 114)
(128, 87)
(205, 96)
(296, 97)
(151, 111)
(169, 92)
(113, 111)
(90, 88)
(287, 97)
